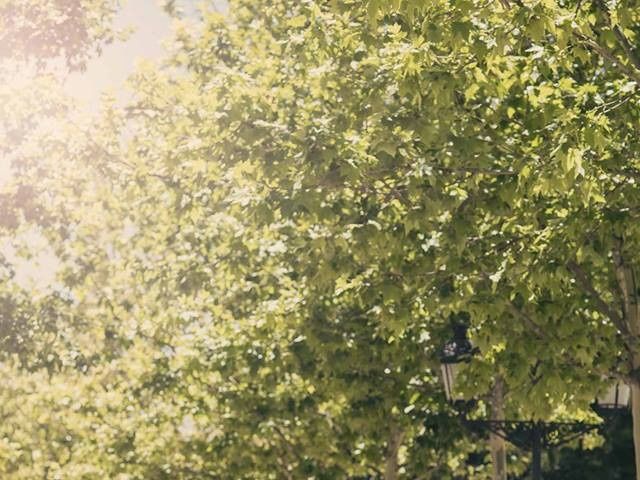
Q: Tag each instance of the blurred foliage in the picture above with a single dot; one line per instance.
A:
(41, 30)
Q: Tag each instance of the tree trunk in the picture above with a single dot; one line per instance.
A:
(536, 455)
(635, 412)
(393, 448)
(497, 444)
(628, 288)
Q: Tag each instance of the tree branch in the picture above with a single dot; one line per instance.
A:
(602, 306)
(620, 36)
(288, 446)
(484, 171)
(608, 55)
(626, 279)
(533, 326)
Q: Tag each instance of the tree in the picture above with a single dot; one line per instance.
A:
(198, 353)
(499, 163)
(562, 160)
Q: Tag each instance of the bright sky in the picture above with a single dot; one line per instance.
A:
(118, 60)
(151, 27)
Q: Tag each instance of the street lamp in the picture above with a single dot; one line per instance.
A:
(614, 400)
(616, 397)
(533, 435)
(456, 351)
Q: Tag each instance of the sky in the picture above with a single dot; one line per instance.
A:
(151, 26)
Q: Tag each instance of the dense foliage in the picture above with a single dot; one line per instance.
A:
(259, 257)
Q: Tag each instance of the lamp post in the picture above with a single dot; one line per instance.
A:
(531, 435)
